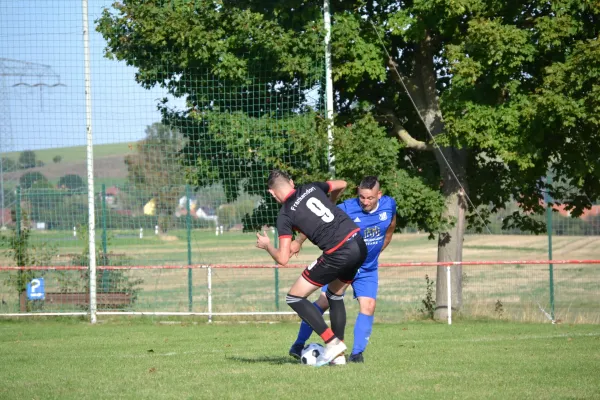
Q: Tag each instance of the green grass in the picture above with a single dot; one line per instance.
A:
(143, 358)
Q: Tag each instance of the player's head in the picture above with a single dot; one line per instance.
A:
(279, 184)
(369, 193)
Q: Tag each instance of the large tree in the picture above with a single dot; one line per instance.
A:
(27, 159)
(30, 179)
(485, 97)
(155, 166)
(71, 181)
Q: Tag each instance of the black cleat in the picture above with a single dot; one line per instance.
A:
(356, 358)
(296, 350)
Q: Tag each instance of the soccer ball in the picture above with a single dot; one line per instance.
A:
(311, 353)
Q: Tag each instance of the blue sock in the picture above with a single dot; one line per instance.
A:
(362, 332)
(305, 329)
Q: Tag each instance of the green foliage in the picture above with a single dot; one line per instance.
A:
(106, 280)
(29, 179)
(364, 148)
(232, 214)
(27, 159)
(57, 159)
(156, 167)
(71, 181)
(428, 302)
(9, 165)
(499, 308)
(50, 205)
(24, 253)
(510, 90)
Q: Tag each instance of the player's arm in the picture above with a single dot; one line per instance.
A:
(281, 255)
(336, 188)
(389, 233)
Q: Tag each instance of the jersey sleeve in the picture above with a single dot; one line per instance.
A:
(342, 206)
(284, 226)
(324, 186)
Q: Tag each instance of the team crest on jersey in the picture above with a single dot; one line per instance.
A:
(383, 216)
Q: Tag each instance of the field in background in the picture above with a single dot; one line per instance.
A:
(109, 165)
(499, 291)
(169, 359)
(239, 248)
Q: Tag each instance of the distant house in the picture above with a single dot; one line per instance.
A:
(207, 213)
(196, 211)
(587, 213)
(111, 196)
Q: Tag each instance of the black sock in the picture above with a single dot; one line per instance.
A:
(308, 312)
(337, 314)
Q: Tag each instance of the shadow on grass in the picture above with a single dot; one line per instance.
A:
(267, 360)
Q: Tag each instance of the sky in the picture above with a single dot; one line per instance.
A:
(50, 33)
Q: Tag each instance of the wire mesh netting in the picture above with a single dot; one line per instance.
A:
(181, 151)
(515, 292)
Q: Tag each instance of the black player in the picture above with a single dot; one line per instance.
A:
(308, 210)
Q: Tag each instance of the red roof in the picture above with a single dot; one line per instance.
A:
(112, 191)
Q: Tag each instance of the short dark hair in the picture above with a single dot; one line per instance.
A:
(368, 182)
(275, 176)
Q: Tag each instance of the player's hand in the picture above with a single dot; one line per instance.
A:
(294, 248)
(262, 241)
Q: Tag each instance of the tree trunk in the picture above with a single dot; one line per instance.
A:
(450, 242)
(452, 164)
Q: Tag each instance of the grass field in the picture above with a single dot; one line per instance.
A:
(109, 166)
(237, 247)
(75, 153)
(156, 359)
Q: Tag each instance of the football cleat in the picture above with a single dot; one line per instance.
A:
(332, 350)
(356, 358)
(296, 350)
(339, 360)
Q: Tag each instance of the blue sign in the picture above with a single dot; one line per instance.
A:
(36, 289)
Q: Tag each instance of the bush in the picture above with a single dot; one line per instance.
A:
(25, 254)
(29, 179)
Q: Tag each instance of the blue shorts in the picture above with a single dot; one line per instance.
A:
(365, 284)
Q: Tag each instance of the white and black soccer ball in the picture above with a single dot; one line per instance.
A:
(311, 353)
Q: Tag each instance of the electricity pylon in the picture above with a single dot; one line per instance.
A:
(31, 75)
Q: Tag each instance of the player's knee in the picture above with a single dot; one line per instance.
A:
(367, 306)
(334, 297)
(292, 300)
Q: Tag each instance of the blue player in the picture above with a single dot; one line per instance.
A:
(376, 216)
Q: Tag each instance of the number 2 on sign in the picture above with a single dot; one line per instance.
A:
(35, 283)
(319, 209)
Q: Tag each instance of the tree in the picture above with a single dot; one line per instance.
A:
(502, 92)
(9, 165)
(24, 253)
(27, 159)
(57, 159)
(156, 167)
(29, 179)
(71, 181)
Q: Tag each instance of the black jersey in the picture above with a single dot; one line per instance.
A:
(308, 209)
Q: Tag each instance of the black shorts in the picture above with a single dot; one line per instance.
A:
(342, 264)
